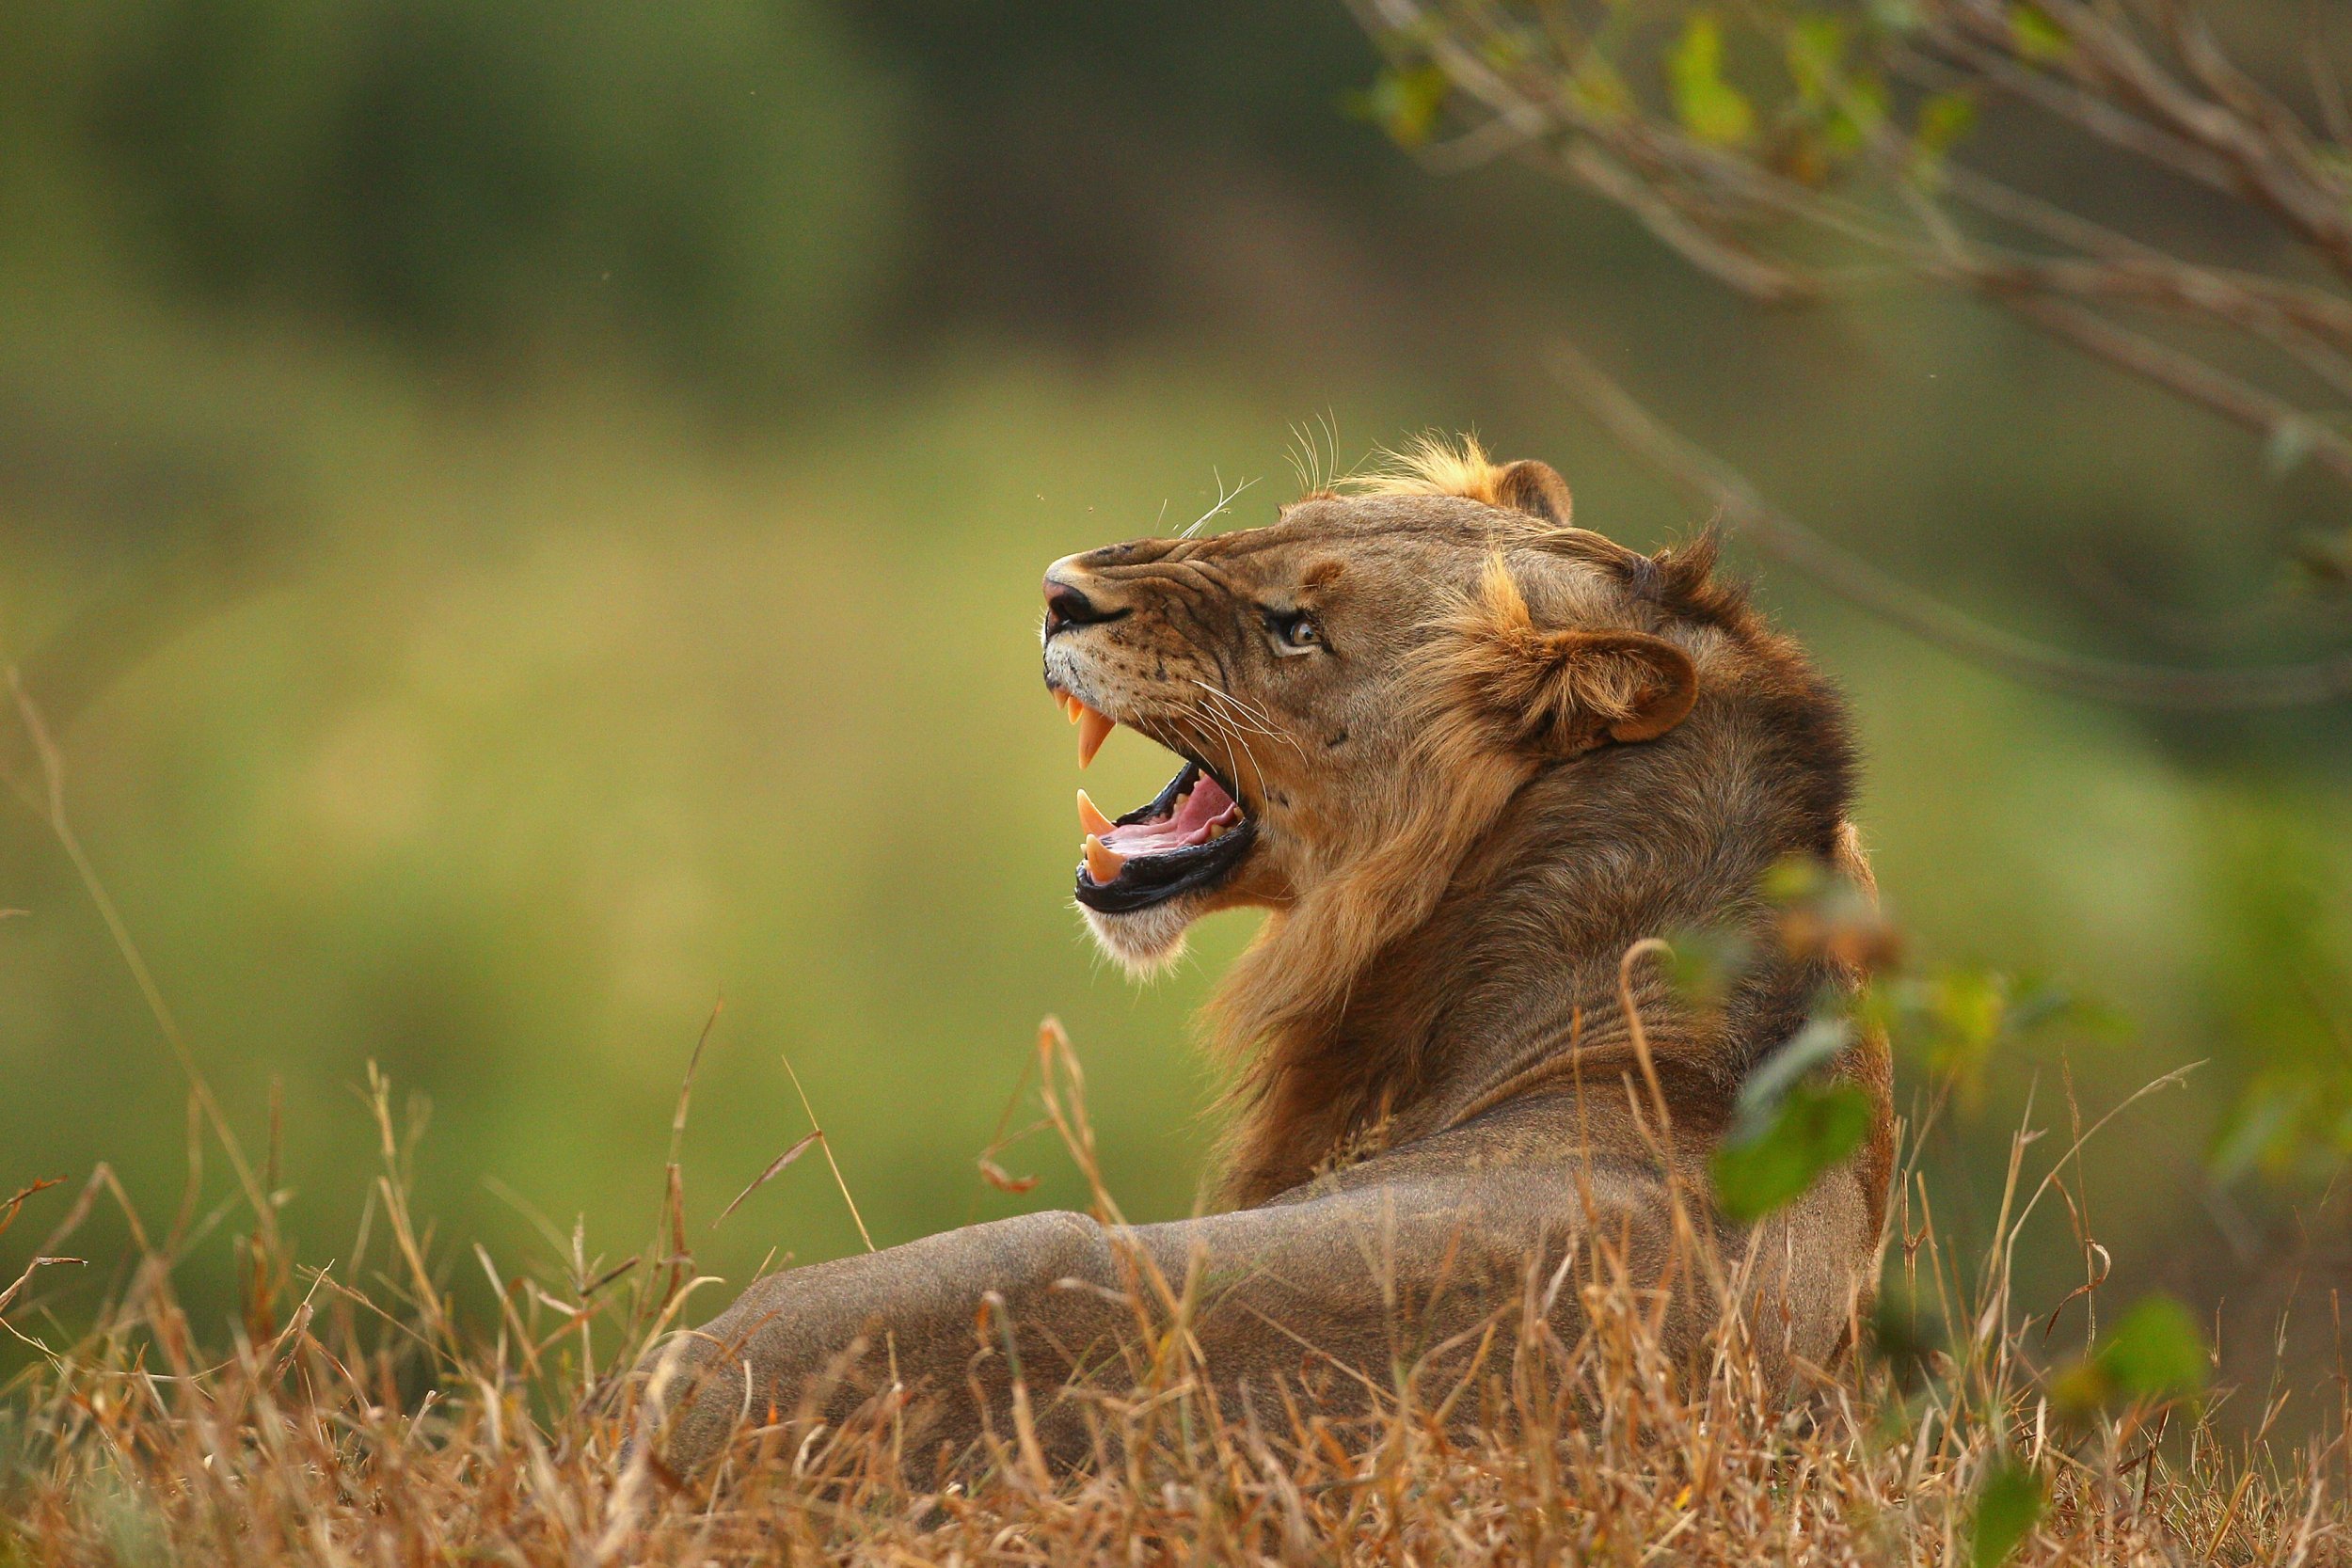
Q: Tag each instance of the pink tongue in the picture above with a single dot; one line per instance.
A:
(1187, 826)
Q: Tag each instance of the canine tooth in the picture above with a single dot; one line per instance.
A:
(1093, 729)
(1094, 821)
(1068, 706)
(1103, 863)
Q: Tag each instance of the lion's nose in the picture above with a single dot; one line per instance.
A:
(1068, 605)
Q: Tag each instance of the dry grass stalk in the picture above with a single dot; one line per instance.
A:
(382, 1424)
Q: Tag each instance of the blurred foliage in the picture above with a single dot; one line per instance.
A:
(2281, 962)
(1403, 103)
(1808, 1129)
(1906, 1337)
(1794, 84)
(1956, 1020)
(2009, 1500)
(1711, 109)
(1790, 1125)
(714, 181)
(2152, 1352)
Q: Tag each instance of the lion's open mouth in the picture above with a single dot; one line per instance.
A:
(1188, 837)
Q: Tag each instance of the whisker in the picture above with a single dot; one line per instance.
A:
(1228, 735)
(1254, 769)
(1232, 721)
(1247, 749)
(1223, 500)
(1251, 710)
(1240, 709)
(1242, 724)
(1299, 465)
(1244, 716)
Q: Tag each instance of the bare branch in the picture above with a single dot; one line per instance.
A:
(1714, 253)
(2188, 376)
(1713, 482)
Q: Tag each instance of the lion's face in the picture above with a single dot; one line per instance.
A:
(1297, 669)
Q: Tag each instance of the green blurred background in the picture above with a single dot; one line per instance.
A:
(525, 520)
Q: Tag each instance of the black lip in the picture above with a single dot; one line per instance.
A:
(1156, 879)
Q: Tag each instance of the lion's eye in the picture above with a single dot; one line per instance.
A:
(1298, 630)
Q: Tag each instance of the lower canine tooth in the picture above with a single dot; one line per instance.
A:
(1103, 863)
(1090, 819)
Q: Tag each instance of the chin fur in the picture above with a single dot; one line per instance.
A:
(1143, 944)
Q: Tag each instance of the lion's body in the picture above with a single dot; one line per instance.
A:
(1510, 752)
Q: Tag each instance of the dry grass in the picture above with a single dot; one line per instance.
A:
(358, 1418)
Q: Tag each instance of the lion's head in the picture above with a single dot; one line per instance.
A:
(1451, 740)
(1343, 680)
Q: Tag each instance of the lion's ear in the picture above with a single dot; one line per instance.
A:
(1536, 489)
(1621, 685)
(1571, 690)
(1559, 692)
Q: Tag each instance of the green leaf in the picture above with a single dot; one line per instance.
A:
(2009, 1501)
(1769, 1081)
(1847, 105)
(1710, 109)
(1906, 1337)
(2037, 40)
(1960, 1017)
(1817, 56)
(1944, 118)
(1704, 962)
(2155, 1353)
(1403, 102)
(1814, 1128)
(1596, 87)
(1795, 879)
(1861, 112)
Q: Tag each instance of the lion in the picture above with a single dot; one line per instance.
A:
(1466, 756)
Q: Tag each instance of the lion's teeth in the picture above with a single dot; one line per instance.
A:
(1103, 864)
(1068, 706)
(1094, 821)
(1093, 729)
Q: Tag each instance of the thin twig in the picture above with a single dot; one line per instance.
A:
(1781, 536)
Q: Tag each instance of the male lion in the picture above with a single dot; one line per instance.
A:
(1465, 756)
